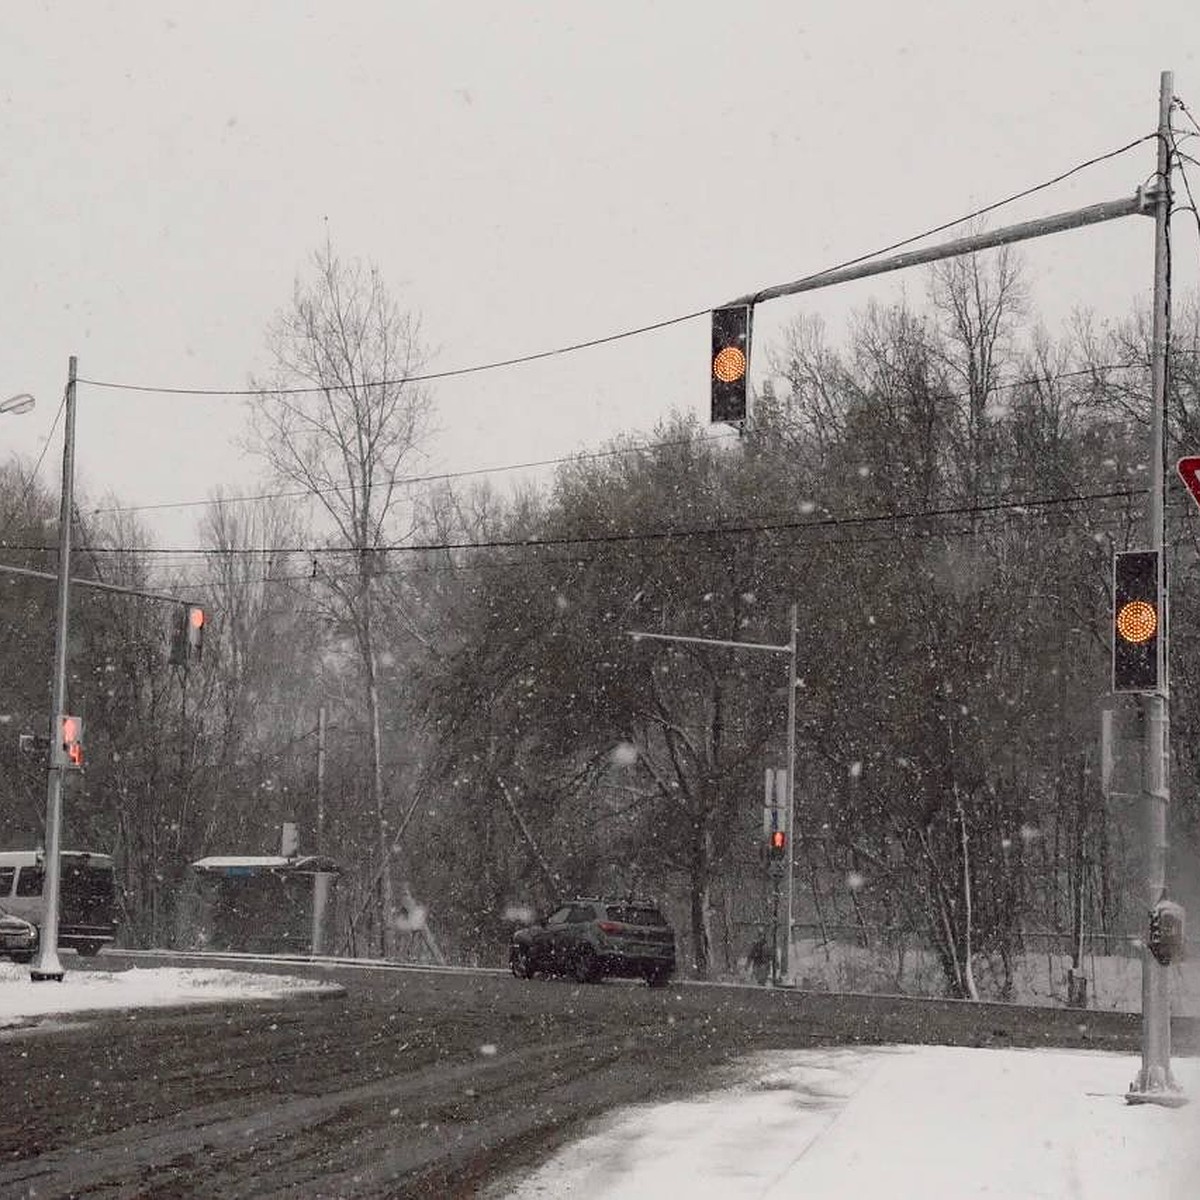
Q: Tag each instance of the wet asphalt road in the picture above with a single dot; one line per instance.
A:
(416, 1083)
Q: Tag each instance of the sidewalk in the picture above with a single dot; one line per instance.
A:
(901, 1123)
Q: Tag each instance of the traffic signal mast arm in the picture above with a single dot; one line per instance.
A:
(97, 584)
(1141, 203)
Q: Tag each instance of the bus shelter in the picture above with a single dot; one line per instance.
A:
(265, 904)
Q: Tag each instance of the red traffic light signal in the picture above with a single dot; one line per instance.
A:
(778, 842)
(1137, 621)
(730, 362)
(195, 631)
(187, 641)
(69, 750)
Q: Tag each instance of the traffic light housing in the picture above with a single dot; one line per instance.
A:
(1137, 621)
(68, 745)
(1165, 938)
(730, 362)
(187, 642)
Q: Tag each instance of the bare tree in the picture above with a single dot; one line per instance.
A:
(341, 417)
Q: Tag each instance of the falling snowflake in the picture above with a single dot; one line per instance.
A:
(623, 754)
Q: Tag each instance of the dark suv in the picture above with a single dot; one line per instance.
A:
(591, 937)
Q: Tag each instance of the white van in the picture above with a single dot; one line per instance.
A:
(87, 900)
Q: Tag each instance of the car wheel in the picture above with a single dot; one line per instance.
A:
(657, 978)
(89, 949)
(520, 964)
(22, 956)
(587, 969)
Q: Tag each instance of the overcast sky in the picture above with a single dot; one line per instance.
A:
(526, 175)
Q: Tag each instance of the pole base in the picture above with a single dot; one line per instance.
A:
(45, 966)
(1156, 1086)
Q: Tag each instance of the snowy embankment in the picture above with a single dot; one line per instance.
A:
(81, 991)
(902, 1122)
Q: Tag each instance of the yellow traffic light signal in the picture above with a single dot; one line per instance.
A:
(730, 361)
(1137, 622)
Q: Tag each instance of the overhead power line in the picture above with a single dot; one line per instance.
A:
(684, 533)
(589, 343)
(1049, 518)
(582, 456)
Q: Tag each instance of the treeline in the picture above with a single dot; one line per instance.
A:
(939, 492)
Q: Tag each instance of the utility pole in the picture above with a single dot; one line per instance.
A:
(46, 965)
(1154, 1084)
(785, 965)
(320, 843)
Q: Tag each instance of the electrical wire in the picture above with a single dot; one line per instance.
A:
(1187, 187)
(1117, 520)
(408, 480)
(1091, 162)
(643, 447)
(1187, 112)
(684, 533)
(628, 333)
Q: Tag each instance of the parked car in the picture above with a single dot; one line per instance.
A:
(592, 937)
(18, 937)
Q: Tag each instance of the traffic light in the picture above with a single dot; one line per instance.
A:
(778, 843)
(68, 750)
(195, 632)
(187, 642)
(1137, 621)
(730, 361)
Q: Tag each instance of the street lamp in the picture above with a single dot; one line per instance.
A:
(20, 403)
(790, 651)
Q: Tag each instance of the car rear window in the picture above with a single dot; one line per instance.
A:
(629, 914)
(29, 881)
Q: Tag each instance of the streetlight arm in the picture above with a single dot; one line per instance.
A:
(637, 635)
(20, 403)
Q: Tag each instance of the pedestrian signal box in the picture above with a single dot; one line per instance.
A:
(68, 750)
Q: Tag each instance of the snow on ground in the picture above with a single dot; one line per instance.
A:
(81, 991)
(902, 1122)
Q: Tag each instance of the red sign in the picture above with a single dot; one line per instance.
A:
(1189, 472)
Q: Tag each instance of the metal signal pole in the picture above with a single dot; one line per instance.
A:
(1154, 1084)
(45, 962)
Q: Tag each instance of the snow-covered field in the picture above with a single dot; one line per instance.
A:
(1114, 982)
(901, 1122)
